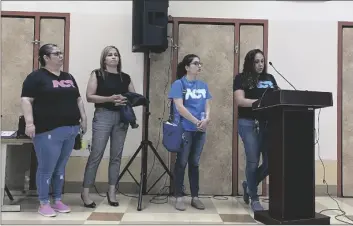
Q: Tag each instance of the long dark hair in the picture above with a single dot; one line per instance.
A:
(181, 71)
(249, 77)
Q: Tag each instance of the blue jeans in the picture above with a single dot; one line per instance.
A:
(254, 145)
(53, 149)
(192, 149)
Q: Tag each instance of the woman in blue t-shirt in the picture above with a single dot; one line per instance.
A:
(249, 86)
(193, 110)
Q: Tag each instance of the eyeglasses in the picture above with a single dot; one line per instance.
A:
(57, 53)
(197, 64)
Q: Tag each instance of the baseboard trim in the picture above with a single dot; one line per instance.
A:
(132, 188)
(102, 187)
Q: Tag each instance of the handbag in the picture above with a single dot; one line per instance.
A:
(21, 129)
(78, 141)
(173, 133)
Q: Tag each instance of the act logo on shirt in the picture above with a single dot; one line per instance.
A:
(265, 84)
(63, 83)
(195, 93)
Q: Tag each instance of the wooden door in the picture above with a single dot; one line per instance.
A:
(22, 35)
(345, 109)
(221, 45)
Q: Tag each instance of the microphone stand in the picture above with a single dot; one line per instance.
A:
(270, 63)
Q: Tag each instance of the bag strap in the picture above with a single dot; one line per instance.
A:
(171, 114)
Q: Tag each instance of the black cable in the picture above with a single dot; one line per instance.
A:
(343, 213)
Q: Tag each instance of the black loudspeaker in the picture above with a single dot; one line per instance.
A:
(149, 25)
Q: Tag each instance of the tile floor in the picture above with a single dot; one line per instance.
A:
(219, 210)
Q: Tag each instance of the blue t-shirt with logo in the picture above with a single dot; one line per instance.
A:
(196, 94)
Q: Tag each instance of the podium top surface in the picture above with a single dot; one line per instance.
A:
(293, 98)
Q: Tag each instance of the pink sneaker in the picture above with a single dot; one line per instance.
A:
(60, 207)
(46, 210)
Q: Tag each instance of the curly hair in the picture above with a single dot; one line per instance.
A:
(249, 77)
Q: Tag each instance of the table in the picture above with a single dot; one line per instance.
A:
(5, 143)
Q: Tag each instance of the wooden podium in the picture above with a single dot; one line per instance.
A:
(291, 157)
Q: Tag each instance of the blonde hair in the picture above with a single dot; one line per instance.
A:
(101, 71)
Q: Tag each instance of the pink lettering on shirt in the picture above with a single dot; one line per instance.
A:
(63, 83)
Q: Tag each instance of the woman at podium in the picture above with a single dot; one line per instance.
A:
(249, 86)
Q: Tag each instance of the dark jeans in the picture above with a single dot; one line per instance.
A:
(193, 145)
(254, 145)
(53, 149)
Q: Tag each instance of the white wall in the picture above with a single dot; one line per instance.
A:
(302, 43)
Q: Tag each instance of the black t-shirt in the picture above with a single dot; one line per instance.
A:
(55, 99)
(109, 85)
(265, 80)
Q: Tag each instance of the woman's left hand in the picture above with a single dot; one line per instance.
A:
(83, 126)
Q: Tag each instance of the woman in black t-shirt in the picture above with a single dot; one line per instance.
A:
(248, 87)
(53, 111)
(105, 88)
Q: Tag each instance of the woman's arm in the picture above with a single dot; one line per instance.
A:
(83, 115)
(208, 109)
(240, 99)
(26, 104)
(131, 87)
(92, 89)
(81, 107)
(183, 111)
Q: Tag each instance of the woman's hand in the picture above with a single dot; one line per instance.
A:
(118, 100)
(30, 130)
(202, 125)
(83, 126)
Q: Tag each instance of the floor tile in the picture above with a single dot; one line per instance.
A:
(237, 218)
(231, 211)
(36, 218)
(124, 203)
(230, 206)
(102, 222)
(30, 203)
(96, 216)
(148, 207)
(345, 204)
(171, 218)
(42, 222)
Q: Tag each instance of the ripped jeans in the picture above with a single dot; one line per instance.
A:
(53, 149)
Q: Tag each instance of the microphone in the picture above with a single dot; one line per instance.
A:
(270, 63)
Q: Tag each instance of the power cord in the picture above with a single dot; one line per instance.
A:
(343, 213)
(161, 194)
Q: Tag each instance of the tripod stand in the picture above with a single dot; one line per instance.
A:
(145, 143)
